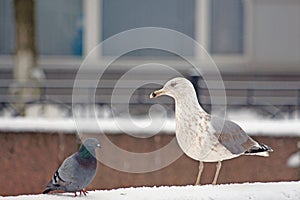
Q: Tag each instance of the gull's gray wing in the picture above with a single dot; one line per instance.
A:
(232, 136)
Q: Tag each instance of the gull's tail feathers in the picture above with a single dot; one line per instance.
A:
(259, 150)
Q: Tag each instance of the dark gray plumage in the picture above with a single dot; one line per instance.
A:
(77, 171)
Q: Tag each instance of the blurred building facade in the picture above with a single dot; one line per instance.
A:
(262, 34)
(250, 41)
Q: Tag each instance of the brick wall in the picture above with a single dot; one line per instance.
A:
(28, 161)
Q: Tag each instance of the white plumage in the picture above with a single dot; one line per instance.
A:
(203, 137)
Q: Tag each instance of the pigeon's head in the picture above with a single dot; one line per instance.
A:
(88, 147)
(176, 88)
(91, 143)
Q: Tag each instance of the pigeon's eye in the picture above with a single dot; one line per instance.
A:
(173, 84)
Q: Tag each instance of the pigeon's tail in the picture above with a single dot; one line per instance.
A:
(259, 150)
(51, 187)
(47, 190)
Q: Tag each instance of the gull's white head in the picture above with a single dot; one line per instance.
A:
(177, 88)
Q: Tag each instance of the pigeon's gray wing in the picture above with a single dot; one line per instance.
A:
(77, 172)
(64, 177)
(232, 136)
(67, 170)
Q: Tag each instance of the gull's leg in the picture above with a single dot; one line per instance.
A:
(219, 165)
(201, 166)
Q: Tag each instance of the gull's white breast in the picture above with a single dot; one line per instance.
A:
(195, 137)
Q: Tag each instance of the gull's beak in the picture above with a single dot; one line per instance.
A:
(157, 93)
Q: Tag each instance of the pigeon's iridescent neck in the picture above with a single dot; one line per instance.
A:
(85, 153)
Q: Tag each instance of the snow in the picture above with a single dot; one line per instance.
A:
(263, 127)
(271, 127)
(108, 125)
(279, 190)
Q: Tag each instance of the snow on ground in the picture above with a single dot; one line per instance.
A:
(266, 191)
(268, 127)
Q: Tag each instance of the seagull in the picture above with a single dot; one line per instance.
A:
(77, 171)
(204, 137)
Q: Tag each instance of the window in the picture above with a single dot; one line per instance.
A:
(217, 24)
(221, 27)
(7, 29)
(59, 27)
(119, 16)
(226, 27)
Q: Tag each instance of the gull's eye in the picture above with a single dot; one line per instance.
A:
(173, 84)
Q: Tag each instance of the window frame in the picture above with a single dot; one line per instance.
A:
(202, 29)
(202, 33)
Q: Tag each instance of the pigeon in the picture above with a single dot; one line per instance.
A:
(203, 137)
(77, 171)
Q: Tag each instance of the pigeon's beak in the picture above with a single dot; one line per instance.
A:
(98, 146)
(157, 93)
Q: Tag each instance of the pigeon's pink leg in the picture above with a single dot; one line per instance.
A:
(83, 191)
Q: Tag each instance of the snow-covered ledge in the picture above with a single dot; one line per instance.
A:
(259, 127)
(274, 191)
(68, 125)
